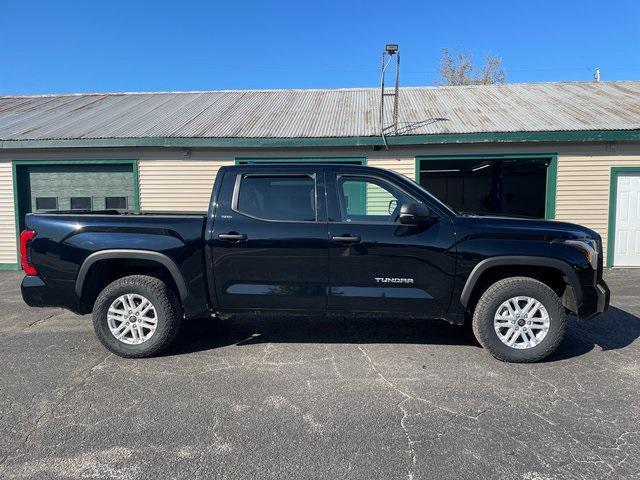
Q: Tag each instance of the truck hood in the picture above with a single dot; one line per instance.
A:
(549, 229)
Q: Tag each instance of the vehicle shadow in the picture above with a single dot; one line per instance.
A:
(205, 334)
(614, 330)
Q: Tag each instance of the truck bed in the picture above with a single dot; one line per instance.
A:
(65, 239)
(124, 213)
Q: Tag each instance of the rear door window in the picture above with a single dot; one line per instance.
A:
(277, 197)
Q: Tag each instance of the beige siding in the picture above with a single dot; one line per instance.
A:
(583, 189)
(377, 199)
(177, 184)
(8, 251)
(404, 165)
(186, 184)
(168, 181)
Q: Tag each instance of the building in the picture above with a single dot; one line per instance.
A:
(569, 151)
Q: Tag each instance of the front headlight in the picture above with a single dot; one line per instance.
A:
(588, 247)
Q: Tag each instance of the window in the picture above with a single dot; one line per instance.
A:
(80, 203)
(115, 203)
(46, 203)
(278, 197)
(364, 199)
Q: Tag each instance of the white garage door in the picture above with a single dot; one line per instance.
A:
(627, 240)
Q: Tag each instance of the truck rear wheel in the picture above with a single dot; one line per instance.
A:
(137, 316)
(519, 319)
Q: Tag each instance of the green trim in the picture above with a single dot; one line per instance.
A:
(127, 161)
(240, 160)
(258, 142)
(552, 172)
(552, 187)
(613, 199)
(136, 185)
(9, 266)
(20, 163)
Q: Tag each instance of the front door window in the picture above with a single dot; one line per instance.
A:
(370, 200)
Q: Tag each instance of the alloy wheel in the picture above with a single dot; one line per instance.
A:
(132, 319)
(521, 322)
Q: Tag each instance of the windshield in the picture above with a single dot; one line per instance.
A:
(443, 205)
(425, 192)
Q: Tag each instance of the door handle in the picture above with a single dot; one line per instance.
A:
(233, 237)
(346, 238)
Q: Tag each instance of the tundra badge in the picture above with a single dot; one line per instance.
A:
(393, 280)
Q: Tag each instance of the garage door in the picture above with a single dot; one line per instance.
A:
(490, 185)
(627, 233)
(76, 187)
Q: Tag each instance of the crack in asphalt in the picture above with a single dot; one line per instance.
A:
(44, 319)
(36, 322)
(70, 389)
(405, 412)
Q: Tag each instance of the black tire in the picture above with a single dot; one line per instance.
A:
(168, 311)
(503, 290)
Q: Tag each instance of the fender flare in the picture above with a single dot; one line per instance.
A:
(512, 260)
(156, 257)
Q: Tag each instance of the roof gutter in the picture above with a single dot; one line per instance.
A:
(392, 140)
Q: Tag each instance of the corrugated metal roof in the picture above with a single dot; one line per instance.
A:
(541, 107)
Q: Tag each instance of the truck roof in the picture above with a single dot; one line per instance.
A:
(304, 165)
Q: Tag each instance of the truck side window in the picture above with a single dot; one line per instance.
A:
(278, 197)
(364, 199)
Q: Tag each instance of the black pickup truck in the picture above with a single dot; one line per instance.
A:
(297, 238)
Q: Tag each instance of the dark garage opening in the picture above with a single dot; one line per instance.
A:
(489, 185)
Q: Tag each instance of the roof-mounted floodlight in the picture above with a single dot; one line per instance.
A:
(391, 48)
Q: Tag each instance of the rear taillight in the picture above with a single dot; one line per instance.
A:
(25, 237)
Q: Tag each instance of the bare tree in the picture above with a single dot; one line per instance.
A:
(460, 70)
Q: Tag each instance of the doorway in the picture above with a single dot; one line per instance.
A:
(492, 185)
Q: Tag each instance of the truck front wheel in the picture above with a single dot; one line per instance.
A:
(137, 316)
(519, 319)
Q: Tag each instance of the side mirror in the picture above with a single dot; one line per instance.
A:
(414, 213)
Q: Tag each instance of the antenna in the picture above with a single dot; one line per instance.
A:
(390, 50)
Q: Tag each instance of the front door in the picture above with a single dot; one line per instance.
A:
(269, 240)
(378, 264)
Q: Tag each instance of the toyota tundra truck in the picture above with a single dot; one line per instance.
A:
(298, 238)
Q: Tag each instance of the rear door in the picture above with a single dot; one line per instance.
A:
(378, 264)
(269, 240)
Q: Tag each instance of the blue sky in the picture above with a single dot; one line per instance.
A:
(89, 46)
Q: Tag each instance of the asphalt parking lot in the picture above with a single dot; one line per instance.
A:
(301, 398)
